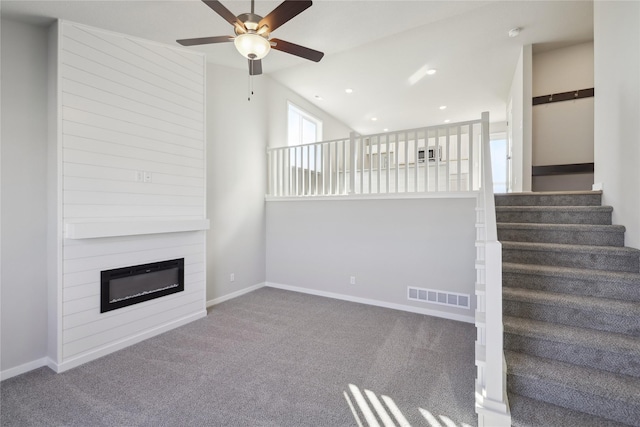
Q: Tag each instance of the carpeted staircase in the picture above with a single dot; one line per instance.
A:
(571, 307)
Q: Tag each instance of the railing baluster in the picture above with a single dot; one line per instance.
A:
(459, 149)
(344, 167)
(312, 168)
(426, 160)
(275, 173)
(396, 147)
(436, 159)
(388, 161)
(361, 166)
(415, 162)
(370, 164)
(378, 157)
(446, 166)
(330, 174)
(337, 168)
(302, 180)
(406, 162)
(472, 170)
(316, 168)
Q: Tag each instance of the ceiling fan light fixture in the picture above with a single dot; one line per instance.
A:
(252, 46)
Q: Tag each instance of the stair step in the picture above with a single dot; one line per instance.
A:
(573, 234)
(599, 215)
(595, 283)
(561, 198)
(585, 347)
(527, 412)
(592, 391)
(577, 256)
(622, 317)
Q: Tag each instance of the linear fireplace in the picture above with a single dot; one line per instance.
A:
(126, 286)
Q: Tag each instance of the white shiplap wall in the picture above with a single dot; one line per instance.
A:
(126, 107)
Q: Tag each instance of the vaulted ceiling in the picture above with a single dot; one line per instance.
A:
(379, 49)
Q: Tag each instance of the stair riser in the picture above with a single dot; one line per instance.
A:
(620, 363)
(549, 200)
(594, 261)
(599, 288)
(527, 412)
(553, 217)
(579, 400)
(593, 238)
(575, 316)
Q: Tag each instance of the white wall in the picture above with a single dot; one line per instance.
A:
(278, 95)
(24, 202)
(520, 125)
(563, 131)
(238, 132)
(236, 160)
(617, 109)
(386, 244)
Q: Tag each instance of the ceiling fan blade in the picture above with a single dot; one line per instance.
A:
(205, 40)
(255, 67)
(297, 50)
(226, 14)
(284, 12)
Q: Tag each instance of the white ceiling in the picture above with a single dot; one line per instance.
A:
(373, 47)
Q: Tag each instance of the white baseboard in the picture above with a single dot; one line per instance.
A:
(235, 294)
(378, 303)
(25, 367)
(119, 345)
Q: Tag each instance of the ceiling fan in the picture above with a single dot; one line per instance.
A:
(252, 33)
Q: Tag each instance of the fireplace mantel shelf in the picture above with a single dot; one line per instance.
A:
(97, 229)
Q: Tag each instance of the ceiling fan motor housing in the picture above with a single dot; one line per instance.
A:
(251, 22)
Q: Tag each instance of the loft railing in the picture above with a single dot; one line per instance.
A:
(442, 158)
(491, 400)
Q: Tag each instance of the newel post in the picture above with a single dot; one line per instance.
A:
(352, 162)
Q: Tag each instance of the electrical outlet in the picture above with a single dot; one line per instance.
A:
(139, 176)
(232, 277)
(352, 280)
(147, 177)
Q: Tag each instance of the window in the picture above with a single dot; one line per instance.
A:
(499, 162)
(303, 128)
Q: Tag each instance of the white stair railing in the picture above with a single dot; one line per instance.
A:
(442, 158)
(491, 397)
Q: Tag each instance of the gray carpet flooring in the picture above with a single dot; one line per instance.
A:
(267, 358)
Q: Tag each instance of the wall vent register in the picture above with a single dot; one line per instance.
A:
(126, 286)
(451, 299)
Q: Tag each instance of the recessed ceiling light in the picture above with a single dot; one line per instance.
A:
(431, 71)
(373, 119)
(385, 130)
(349, 90)
(319, 98)
(442, 107)
(447, 121)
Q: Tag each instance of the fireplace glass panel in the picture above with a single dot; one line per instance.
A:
(131, 285)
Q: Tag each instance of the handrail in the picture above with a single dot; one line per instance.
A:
(441, 158)
(491, 399)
